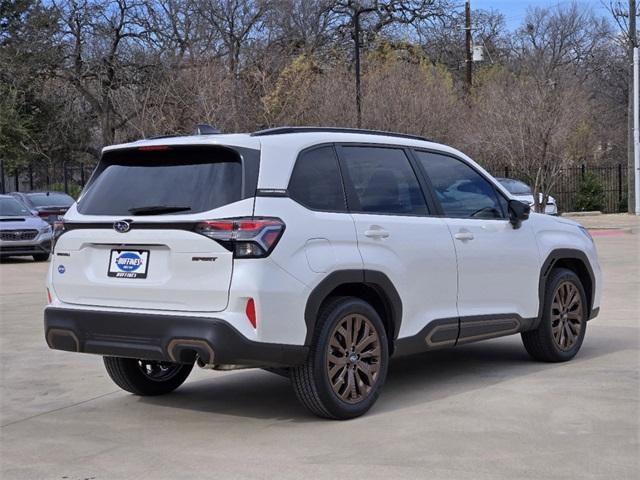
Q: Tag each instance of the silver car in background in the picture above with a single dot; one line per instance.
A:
(21, 232)
(523, 192)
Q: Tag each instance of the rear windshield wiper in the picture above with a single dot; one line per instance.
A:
(157, 209)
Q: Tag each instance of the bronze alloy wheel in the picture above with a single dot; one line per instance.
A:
(158, 371)
(567, 315)
(353, 358)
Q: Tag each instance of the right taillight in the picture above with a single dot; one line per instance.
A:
(246, 237)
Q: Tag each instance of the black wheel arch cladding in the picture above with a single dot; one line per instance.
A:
(345, 282)
(571, 259)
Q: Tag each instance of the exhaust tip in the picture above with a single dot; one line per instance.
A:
(185, 350)
(61, 339)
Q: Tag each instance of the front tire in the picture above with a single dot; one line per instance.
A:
(561, 332)
(348, 361)
(146, 377)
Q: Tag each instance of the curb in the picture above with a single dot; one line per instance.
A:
(582, 214)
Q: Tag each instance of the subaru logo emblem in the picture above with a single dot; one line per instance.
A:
(122, 226)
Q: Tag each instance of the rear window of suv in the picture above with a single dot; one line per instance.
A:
(163, 182)
(50, 199)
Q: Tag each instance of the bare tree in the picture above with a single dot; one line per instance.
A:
(237, 22)
(102, 55)
(537, 130)
(554, 40)
(371, 16)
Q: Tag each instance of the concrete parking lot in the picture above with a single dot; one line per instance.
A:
(483, 411)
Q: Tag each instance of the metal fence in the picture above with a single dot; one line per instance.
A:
(613, 179)
(70, 177)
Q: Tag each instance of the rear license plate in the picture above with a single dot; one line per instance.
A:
(128, 263)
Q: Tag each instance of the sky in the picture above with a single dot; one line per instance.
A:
(516, 10)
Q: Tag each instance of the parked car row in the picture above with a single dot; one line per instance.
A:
(49, 206)
(26, 221)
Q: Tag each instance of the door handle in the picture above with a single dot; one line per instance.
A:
(463, 236)
(376, 233)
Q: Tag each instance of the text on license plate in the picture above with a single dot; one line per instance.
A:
(128, 263)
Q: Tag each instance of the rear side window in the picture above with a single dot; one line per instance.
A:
(381, 180)
(462, 192)
(174, 181)
(315, 181)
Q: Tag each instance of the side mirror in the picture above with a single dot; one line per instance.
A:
(518, 213)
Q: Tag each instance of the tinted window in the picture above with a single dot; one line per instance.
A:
(163, 182)
(382, 181)
(52, 199)
(515, 186)
(10, 207)
(315, 181)
(462, 192)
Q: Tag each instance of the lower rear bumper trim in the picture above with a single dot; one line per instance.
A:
(162, 337)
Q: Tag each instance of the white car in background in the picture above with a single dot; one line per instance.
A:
(523, 192)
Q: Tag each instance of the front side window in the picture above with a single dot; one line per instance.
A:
(462, 192)
(381, 180)
(315, 181)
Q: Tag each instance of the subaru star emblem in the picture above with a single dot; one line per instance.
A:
(122, 226)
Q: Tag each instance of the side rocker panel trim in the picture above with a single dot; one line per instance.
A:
(449, 332)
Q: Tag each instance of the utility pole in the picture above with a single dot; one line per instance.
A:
(356, 34)
(467, 28)
(632, 43)
(636, 125)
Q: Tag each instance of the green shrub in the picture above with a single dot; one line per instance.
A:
(590, 195)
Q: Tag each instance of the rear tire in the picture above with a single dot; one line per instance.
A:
(41, 257)
(561, 332)
(146, 377)
(347, 363)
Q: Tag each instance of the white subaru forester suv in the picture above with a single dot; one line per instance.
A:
(318, 253)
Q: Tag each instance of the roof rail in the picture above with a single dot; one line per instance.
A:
(284, 130)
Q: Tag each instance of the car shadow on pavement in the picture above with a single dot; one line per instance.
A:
(411, 381)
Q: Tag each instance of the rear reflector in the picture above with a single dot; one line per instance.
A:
(251, 312)
(49, 296)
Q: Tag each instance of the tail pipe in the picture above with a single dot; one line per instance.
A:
(185, 350)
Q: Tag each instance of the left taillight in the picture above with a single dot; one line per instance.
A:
(246, 237)
(58, 229)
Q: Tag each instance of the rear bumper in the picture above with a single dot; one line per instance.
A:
(170, 338)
